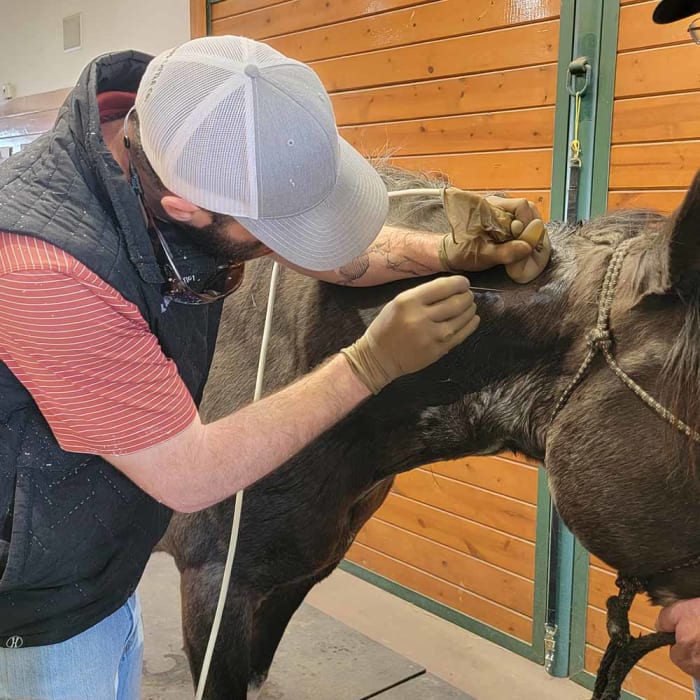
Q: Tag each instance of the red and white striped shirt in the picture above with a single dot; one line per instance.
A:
(85, 353)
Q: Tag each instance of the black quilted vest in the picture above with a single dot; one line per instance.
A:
(75, 534)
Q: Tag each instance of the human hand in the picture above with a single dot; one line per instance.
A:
(494, 231)
(414, 330)
(683, 619)
(523, 211)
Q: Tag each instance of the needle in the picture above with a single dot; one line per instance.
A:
(485, 289)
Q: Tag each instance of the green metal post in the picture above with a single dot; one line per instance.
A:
(580, 29)
(562, 112)
(607, 65)
(595, 37)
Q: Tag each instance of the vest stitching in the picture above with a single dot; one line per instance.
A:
(72, 510)
(113, 485)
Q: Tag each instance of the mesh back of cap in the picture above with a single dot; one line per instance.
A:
(222, 116)
(217, 157)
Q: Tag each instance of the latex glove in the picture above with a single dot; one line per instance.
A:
(494, 231)
(414, 330)
(683, 618)
(522, 211)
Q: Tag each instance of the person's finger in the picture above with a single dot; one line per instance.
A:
(516, 227)
(447, 329)
(526, 211)
(509, 204)
(452, 307)
(680, 656)
(519, 207)
(463, 334)
(667, 619)
(534, 233)
(438, 289)
(504, 253)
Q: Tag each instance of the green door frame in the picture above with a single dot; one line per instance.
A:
(209, 3)
(594, 35)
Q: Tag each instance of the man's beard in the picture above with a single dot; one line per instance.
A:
(214, 241)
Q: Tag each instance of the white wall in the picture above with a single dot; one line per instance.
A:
(31, 36)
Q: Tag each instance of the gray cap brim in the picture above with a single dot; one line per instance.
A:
(669, 11)
(339, 228)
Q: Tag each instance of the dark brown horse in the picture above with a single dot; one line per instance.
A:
(624, 481)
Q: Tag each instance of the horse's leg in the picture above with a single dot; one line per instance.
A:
(230, 670)
(269, 623)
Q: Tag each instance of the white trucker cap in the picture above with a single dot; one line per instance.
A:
(237, 128)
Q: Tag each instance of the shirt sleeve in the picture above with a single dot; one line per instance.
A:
(90, 362)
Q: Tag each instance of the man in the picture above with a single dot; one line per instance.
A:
(120, 232)
(682, 618)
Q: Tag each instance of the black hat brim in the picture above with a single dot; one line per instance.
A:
(668, 11)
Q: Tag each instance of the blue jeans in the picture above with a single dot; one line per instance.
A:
(102, 663)
(696, 685)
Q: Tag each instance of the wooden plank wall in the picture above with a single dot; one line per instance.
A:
(466, 88)
(24, 118)
(461, 533)
(463, 88)
(654, 156)
(656, 117)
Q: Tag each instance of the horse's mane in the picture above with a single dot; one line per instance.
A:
(680, 377)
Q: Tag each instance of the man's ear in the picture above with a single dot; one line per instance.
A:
(179, 209)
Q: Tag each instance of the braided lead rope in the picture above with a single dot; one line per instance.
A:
(574, 383)
(624, 651)
(601, 333)
(600, 340)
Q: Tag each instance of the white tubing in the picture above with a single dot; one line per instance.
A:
(266, 331)
(233, 542)
(436, 192)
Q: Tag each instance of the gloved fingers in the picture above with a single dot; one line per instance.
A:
(436, 290)
(528, 268)
(469, 213)
(520, 208)
(533, 233)
(447, 329)
(461, 335)
(451, 308)
(492, 254)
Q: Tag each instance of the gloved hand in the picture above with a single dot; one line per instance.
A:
(414, 330)
(494, 231)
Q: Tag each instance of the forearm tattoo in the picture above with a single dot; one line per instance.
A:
(354, 269)
(388, 252)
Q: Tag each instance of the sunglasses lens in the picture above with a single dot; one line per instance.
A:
(224, 281)
(218, 286)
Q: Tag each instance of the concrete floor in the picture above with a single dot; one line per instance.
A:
(352, 641)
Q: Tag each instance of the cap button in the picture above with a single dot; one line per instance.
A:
(251, 70)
